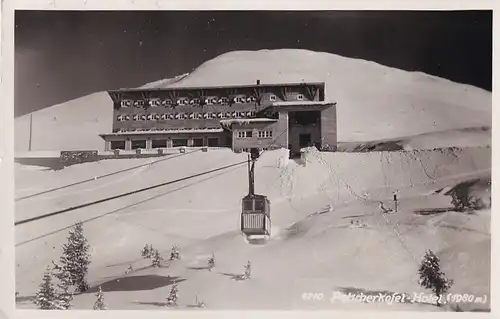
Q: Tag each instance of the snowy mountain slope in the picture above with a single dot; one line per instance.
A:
(374, 101)
(201, 215)
(73, 125)
(163, 82)
(399, 103)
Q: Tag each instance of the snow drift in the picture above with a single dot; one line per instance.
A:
(201, 215)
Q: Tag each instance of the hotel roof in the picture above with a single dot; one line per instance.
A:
(180, 88)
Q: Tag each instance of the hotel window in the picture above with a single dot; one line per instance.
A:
(265, 134)
(243, 134)
(138, 144)
(166, 102)
(117, 145)
(197, 142)
(239, 99)
(154, 103)
(251, 99)
(195, 101)
(211, 100)
(139, 103)
(177, 142)
(159, 143)
(125, 103)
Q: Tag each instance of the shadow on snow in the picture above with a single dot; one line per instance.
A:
(136, 283)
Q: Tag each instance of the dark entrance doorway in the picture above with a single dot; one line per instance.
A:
(304, 128)
(304, 140)
(213, 142)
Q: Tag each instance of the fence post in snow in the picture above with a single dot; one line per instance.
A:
(31, 132)
(395, 198)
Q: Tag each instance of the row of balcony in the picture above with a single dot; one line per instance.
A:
(185, 101)
(184, 116)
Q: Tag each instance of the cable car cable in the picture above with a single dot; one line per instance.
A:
(134, 204)
(256, 222)
(133, 192)
(126, 207)
(101, 176)
(125, 194)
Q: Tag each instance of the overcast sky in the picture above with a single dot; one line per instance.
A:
(65, 55)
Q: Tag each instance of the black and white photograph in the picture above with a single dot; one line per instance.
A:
(253, 160)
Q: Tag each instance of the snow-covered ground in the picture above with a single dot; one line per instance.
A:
(307, 250)
(328, 232)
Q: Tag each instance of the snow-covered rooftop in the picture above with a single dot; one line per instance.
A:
(227, 123)
(177, 131)
(300, 103)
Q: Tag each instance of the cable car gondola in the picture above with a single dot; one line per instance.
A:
(256, 209)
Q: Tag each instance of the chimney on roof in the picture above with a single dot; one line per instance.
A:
(258, 82)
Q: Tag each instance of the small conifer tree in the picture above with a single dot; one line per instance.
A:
(431, 276)
(175, 253)
(46, 295)
(248, 270)
(76, 258)
(173, 296)
(146, 252)
(157, 259)
(99, 303)
(64, 295)
(211, 262)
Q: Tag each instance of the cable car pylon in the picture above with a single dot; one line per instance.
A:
(256, 209)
